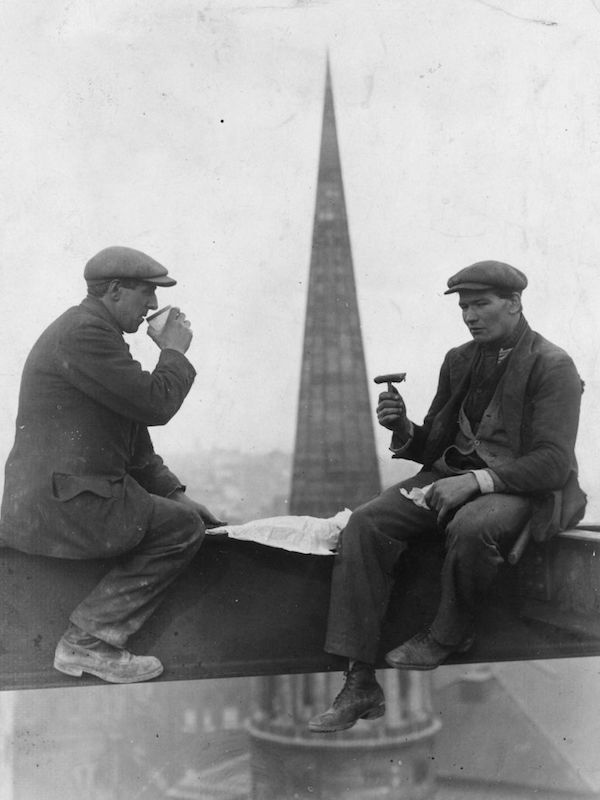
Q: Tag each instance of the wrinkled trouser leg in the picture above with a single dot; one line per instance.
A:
(124, 599)
(477, 540)
(376, 535)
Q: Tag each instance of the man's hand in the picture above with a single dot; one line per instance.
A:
(391, 413)
(207, 517)
(450, 493)
(176, 333)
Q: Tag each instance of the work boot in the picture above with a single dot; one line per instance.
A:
(112, 664)
(424, 652)
(361, 698)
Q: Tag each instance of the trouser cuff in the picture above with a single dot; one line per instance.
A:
(354, 651)
(451, 635)
(109, 634)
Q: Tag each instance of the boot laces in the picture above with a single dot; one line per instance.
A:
(423, 635)
(353, 680)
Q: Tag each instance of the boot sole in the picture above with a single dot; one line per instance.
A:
(373, 713)
(77, 671)
(416, 667)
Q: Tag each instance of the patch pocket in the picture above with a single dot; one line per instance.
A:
(66, 487)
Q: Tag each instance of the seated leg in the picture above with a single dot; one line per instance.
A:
(124, 599)
(477, 540)
(377, 533)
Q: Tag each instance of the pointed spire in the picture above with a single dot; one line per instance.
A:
(335, 462)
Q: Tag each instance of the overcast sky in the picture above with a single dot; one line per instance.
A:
(468, 130)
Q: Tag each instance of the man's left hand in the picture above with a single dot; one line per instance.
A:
(207, 517)
(450, 493)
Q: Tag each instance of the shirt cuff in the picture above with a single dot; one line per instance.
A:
(398, 448)
(484, 480)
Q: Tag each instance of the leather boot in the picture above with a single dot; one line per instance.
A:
(361, 698)
(423, 652)
(112, 664)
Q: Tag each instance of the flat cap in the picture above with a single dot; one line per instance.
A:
(488, 275)
(125, 262)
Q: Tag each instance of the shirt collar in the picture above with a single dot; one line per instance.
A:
(502, 349)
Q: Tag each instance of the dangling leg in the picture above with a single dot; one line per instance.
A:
(375, 537)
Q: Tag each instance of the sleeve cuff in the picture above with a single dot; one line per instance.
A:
(484, 480)
(400, 447)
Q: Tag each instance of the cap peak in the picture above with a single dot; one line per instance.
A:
(486, 275)
(125, 262)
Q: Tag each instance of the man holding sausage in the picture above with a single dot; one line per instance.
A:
(497, 449)
(83, 480)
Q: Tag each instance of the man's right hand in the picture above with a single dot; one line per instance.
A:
(391, 412)
(176, 333)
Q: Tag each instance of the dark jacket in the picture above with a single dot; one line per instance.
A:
(541, 396)
(80, 474)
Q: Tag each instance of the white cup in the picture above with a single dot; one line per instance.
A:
(157, 320)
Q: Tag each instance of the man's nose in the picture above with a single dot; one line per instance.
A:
(152, 302)
(470, 315)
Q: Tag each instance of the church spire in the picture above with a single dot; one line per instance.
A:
(335, 462)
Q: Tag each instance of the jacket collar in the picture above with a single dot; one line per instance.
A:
(97, 307)
(516, 377)
(469, 351)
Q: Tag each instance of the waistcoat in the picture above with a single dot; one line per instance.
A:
(490, 442)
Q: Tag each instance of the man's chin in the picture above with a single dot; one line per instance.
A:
(132, 327)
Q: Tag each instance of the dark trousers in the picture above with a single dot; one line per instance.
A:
(476, 539)
(127, 595)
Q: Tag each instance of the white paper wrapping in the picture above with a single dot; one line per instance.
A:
(418, 496)
(308, 535)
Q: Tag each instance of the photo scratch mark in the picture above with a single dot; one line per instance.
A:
(290, 5)
(517, 16)
(286, 121)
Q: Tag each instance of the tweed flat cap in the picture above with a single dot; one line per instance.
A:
(488, 275)
(125, 262)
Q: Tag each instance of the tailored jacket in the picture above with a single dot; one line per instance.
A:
(540, 401)
(82, 469)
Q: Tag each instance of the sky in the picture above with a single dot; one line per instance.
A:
(468, 130)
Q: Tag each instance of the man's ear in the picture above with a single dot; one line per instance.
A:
(515, 305)
(114, 289)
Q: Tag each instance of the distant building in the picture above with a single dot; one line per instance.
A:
(519, 730)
